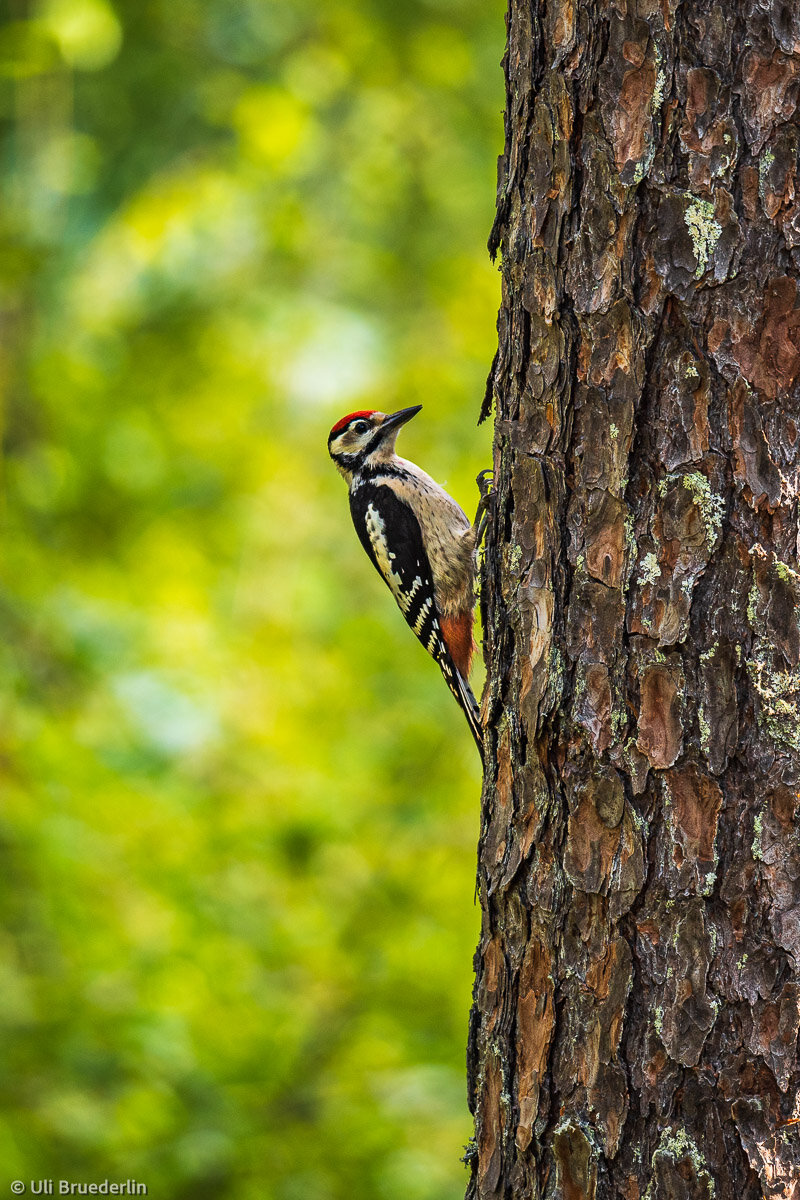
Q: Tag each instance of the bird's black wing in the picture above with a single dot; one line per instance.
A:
(390, 533)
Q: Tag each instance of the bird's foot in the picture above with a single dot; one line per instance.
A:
(485, 482)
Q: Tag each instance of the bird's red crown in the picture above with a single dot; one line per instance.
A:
(363, 412)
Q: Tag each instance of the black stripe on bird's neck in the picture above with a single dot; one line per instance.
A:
(381, 470)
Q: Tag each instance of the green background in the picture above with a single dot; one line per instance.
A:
(239, 805)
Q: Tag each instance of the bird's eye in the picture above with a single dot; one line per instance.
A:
(361, 427)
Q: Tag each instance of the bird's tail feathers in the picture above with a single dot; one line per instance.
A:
(469, 704)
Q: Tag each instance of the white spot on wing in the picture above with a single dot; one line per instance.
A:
(376, 532)
(423, 612)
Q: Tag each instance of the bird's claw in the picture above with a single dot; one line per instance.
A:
(485, 482)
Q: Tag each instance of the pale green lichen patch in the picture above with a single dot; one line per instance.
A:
(758, 832)
(614, 431)
(658, 90)
(725, 160)
(630, 753)
(619, 722)
(712, 506)
(657, 99)
(649, 571)
(704, 230)
(555, 679)
(764, 164)
(658, 1020)
(631, 544)
(777, 689)
(642, 167)
(676, 1146)
(705, 730)
(753, 597)
(631, 549)
(786, 573)
(779, 696)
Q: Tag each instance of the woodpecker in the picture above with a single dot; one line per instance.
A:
(418, 538)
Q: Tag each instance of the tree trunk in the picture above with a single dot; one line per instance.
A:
(637, 1000)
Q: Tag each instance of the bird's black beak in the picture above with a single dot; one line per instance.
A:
(399, 418)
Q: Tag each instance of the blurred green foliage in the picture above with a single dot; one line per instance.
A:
(239, 805)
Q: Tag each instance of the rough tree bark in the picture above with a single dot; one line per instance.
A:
(637, 997)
